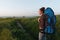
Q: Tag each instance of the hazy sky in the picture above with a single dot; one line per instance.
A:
(26, 7)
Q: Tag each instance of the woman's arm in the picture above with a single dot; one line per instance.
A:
(42, 22)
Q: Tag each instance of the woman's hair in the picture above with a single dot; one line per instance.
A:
(42, 9)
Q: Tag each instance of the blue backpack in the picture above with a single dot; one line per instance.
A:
(50, 28)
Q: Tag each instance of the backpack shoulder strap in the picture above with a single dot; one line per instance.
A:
(46, 20)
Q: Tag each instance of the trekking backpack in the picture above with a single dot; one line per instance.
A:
(50, 28)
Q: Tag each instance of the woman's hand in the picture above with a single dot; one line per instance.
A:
(40, 28)
(38, 19)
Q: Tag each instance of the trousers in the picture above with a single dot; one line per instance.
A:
(42, 36)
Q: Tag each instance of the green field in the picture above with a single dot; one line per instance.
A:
(22, 28)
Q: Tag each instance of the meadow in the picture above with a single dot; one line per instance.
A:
(24, 28)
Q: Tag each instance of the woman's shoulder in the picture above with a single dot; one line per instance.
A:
(42, 16)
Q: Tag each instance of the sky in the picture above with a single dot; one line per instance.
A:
(26, 7)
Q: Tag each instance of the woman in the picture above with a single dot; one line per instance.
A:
(41, 23)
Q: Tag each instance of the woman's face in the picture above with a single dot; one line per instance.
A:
(40, 12)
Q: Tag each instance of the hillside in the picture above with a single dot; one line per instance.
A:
(22, 28)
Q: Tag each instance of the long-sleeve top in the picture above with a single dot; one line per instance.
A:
(41, 22)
